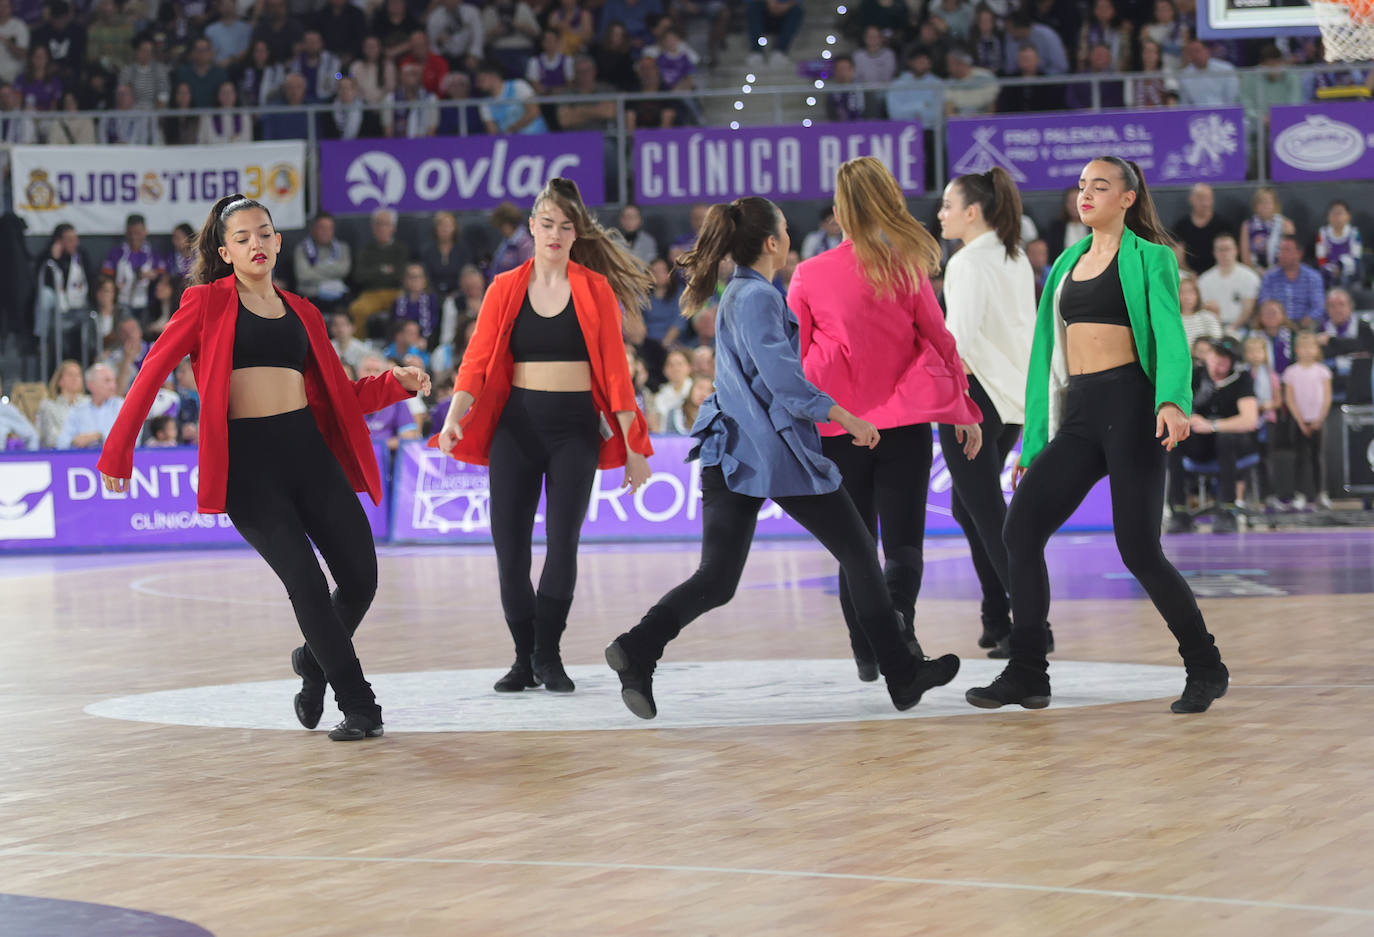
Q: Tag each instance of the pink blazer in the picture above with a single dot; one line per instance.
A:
(890, 361)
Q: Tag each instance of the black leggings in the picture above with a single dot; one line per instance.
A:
(887, 483)
(285, 490)
(1108, 429)
(727, 530)
(977, 502)
(545, 439)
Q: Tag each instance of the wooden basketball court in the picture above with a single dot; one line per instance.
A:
(798, 803)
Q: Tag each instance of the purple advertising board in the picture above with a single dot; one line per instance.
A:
(440, 500)
(1321, 142)
(456, 173)
(55, 501)
(717, 164)
(1049, 151)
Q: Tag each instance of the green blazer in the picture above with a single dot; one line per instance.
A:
(1149, 279)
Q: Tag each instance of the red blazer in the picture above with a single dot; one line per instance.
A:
(488, 366)
(203, 327)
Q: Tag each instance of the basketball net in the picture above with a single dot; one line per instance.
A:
(1347, 29)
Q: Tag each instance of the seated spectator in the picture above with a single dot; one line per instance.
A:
(1197, 321)
(1157, 87)
(1230, 288)
(461, 308)
(419, 305)
(663, 319)
(635, 15)
(652, 112)
(677, 61)
(704, 360)
(844, 103)
(1038, 253)
(134, 265)
(433, 67)
(109, 37)
(516, 245)
(1169, 32)
(1307, 394)
(148, 80)
(291, 124)
(1105, 27)
(889, 16)
(90, 420)
(160, 309)
(781, 19)
(455, 30)
(917, 94)
(410, 112)
(1261, 233)
(1296, 285)
(319, 67)
(825, 237)
(575, 25)
(1199, 229)
(457, 119)
(377, 270)
(1015, 99)
(63, 287)
(64, 39)
(278, 29)
(551, 71)
(69, 129)
(202, 75)
(161, 432)
(183, 256)
(226, 124)
(1343, 338)
(874, 61)
(107, 309)
(957, 16)
(1277, 331)
(1205, 81)
(987, 43)
(188, 403)
(614, 57)
(512, 110)
(679, 422)
(260, 79)
(125, 351)
(968, 90)
(1339, 248)
(352, 350)
(1272, 85)
(182, 129)
(640, 241)
(391, 424)
(1223, 425)
(1109, 93)
(589, 115)
(407, 342)
(443, 257)
(120, 126)
(64, 393)
(39, 87)
(512, 29)
(1022, 31)
(322, 264)
(14, 32)
(392, 24)
(350, 118)
(16, 432)
(674, 391)
(374, 73)
(342, 25)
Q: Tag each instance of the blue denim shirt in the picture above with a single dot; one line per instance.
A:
(760, 424)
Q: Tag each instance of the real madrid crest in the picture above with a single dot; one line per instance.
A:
(150, 189)
(41, 194)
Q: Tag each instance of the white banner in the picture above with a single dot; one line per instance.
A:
(97, 187)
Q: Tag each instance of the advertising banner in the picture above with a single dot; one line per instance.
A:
(1049, 151)
(717, 164)
(1321, 142)
(97, 187)
(55, 501)
(441, 500)
(456, 173)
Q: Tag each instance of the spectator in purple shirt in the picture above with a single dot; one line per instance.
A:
(394, 423)
(416, 303)
(1296, 285)
(634, 15)
(677, 61)
(844, 105)
(134, 266)
(39, 88)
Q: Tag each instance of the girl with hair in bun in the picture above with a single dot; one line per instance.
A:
(1109, 393)
(990, 298)
(544, 397)
(756, 439)
(873, 337)
(283, 444)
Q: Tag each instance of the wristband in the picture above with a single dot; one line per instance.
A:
(1214, 427)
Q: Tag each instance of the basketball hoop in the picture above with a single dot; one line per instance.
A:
(1347, 29)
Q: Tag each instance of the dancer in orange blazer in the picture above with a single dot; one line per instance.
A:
(544, 397)
(283, 445)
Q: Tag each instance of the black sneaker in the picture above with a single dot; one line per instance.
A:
(1003, 649)
(1201, 688)
(636, 679)
(994, 632)
(868, 670)
(1180, 522)
(1013, 685)
(355, 728)
(554, 677)
(309, 701)
(519, 677)
(929, 674)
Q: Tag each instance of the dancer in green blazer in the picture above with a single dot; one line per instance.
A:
(1110, 373)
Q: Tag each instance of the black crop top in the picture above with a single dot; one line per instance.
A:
(269, 343)
(547, 338)
(1100, 299)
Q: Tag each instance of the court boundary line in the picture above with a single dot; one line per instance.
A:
(708, 870)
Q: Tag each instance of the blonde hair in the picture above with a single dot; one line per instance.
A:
(53, 390)
(893, 248)
(1270, 191)
(600, 250)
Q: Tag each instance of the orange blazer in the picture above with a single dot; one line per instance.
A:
(488, 367)
(203, 327)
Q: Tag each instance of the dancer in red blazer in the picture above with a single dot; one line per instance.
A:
(283, 445)
(544, 396)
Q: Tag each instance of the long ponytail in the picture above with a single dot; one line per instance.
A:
(996, 194)
(1142, 217)
(736, 230)
(209, 265)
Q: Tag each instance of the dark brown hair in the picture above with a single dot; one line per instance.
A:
(1141, 217)
(601, 250)
(737, 230)
(209, 265)
(996, 194)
